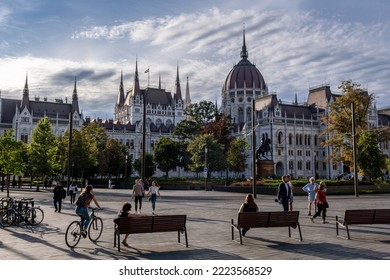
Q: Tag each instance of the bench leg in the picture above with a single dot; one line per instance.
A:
(232, 230)
(185, 235)
(289, 232)
(300, 233)
(346, 226)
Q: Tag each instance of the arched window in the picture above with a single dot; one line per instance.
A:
(158, 123)
(168, 123)
(290, 139)
(280, 137)
(315, 140)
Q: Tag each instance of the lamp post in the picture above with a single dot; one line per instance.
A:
(126, 169)
(143, 137)
(354, 152)
(254, 147)
(205, 171)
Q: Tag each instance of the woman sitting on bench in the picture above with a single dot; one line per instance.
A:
(249, 205)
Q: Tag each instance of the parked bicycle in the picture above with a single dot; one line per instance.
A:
(18, 211)
(74, 231)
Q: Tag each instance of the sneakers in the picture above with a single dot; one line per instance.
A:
(84, 233)
(324, 222)
(309, 214)
(312, 219)
(125, 243)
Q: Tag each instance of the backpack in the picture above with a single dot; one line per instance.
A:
(82, 200)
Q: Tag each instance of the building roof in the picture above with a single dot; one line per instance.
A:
(8, 109)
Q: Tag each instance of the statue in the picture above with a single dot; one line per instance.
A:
(265, 147)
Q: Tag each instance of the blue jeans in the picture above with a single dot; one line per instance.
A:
(153, 199)
(83, 212)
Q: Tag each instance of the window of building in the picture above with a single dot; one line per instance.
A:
(299, 165)
(315, 140)
(280, 137)
(158, 123)
(291, 164)
(308, 165)
(290, 139)
(308, 153)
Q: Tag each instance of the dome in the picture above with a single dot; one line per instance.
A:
(244, 74)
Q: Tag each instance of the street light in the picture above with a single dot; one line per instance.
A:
(205, 171)
(126, 169)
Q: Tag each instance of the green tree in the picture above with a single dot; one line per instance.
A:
(112, 159)
(13, 155)
(201, 113)
(237, 155)
(43, 151)
(371, 160)
(166, 155)
(338, 122)
(150, 165)
(216, 159)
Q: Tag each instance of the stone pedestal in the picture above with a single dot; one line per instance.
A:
(265, 168)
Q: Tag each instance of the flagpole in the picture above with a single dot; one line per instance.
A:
(148, 75)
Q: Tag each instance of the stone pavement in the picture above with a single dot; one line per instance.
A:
(209, 217)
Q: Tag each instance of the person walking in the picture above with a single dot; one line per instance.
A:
(59, 194)
(83, 201)
(154, 191)
(291, 199)
(249, 205)
(310, 188)
(72, 192)
(284, 193)
(138, 193)
(321, 202)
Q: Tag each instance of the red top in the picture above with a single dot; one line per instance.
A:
(321, 197)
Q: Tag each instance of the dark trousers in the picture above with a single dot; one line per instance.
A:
(72, 197)
(320, 208)
(138, 199)
(285, 203)
(59, 202)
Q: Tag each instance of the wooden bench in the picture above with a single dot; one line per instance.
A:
(266, 220)
(149, 224)
(363, 216)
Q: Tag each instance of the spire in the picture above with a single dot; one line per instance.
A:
(136, 88)
(177, 86)
(244, 52)
(121, 95)
(296, 98)
(75, 99)
(26, 97)
(188, 97)
(159, 80)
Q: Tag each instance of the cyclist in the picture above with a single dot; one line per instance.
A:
(83, 202)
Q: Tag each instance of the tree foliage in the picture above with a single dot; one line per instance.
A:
(43, 150)
(216, 159)
(150, 165)
(112, 159)
(237, 155)
(371, 160)
(338, 122)
(166, 154)
(13, 154)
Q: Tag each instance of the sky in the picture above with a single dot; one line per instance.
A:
(296, 45)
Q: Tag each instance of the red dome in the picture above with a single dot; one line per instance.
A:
(244, 74)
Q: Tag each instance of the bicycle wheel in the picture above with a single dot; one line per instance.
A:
(34, 216)
(95, 229)
(73, 234)
(8, 218)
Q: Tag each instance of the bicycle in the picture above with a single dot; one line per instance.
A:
(19, 211)
(74, 231)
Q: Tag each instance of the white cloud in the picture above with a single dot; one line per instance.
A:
(292, 50)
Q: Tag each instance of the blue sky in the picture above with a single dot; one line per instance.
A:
(295, 44)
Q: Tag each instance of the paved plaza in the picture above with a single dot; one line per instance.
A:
(209, 216)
